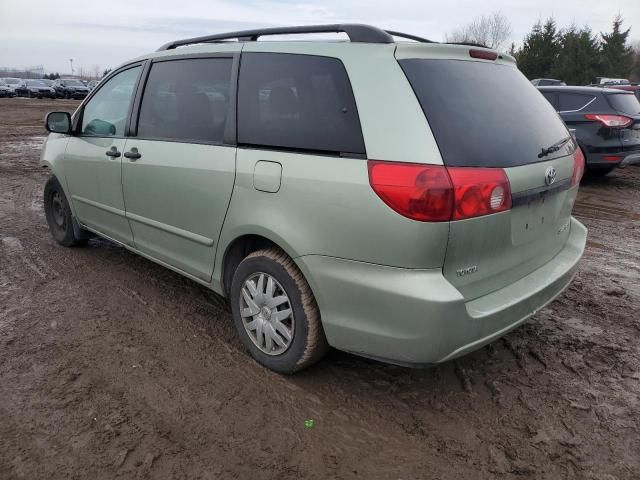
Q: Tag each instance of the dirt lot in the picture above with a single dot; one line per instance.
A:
(113, 367)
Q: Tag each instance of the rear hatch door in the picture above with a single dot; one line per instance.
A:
(486, 114)
(627, 105)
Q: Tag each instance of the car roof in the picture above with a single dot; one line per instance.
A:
(362, 39)
(576, 89)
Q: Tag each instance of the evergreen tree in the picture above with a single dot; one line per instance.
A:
(579, 57)
(540, 50)
(617, 55)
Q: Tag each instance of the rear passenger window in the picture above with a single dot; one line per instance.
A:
(573, 101)
(186, 100)
(300, 102)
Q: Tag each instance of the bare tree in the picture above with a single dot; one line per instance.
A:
(491, 30)
(95, 72)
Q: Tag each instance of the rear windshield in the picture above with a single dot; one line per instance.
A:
(625, 103)
(484, 114)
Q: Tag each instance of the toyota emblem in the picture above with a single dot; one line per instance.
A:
(550, 175)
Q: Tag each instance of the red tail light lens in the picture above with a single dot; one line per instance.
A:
(434, 193)
(611, 121)
(483, 54)
(578, 167)
(479, 191)
(419, 192)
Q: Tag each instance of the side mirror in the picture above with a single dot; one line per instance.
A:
(100, 128)
(58, 122)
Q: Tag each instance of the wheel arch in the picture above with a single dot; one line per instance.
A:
(240, 247)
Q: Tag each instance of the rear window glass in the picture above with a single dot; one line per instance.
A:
(483, 114)
(625, 103)
(573, 101)
(300, 102)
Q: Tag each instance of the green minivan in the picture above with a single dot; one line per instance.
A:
(389, 196)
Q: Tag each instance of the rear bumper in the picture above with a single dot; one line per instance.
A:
(630, 160)
(416, 317)
(614, 156)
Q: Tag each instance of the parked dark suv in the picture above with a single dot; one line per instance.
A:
(71, 88)
(606, 123)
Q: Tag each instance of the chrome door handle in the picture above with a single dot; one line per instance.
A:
(113, 153)
(132, 154)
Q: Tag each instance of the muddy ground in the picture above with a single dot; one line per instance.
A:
(113, 367)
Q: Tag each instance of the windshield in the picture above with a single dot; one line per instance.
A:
(11, 81)
(484, 114)
(625, 103)
(73, 83)
(36, 83)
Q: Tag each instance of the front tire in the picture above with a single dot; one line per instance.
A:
(58, 214)
(275, 312)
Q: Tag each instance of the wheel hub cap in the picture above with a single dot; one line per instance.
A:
(266, 313)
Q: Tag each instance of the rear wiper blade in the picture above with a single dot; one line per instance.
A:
(555, 147)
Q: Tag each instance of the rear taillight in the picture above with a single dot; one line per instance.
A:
(479, 191)
(578, 167)
(611, 121)
(434, 193)
(419, 192)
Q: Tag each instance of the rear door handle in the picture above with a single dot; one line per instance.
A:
(132, 154)
(113, 153)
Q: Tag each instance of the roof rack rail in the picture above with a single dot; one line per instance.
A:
(355, 32)
(410, 37)
(468, 44)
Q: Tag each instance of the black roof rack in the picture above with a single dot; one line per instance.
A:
(355, 32)
(410, 37)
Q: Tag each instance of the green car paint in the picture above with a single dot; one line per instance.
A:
(388, 287)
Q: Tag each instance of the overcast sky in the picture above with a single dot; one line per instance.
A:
(106, 33)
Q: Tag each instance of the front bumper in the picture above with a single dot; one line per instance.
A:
(416, 317)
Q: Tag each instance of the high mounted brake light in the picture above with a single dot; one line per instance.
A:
(611, 121)
(483, 54)
(434, 193)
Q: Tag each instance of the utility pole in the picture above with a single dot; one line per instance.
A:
(71, 62)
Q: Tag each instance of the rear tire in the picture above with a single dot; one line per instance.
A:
(297, 339)
(58, 215)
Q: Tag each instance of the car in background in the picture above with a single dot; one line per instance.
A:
(50, 83)
(605, 122)
(611, 81)
(5, 91)
(541, 82)
(34, 89)
(11, 83)
(70, 88)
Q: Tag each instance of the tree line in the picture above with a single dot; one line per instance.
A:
(573, 54)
